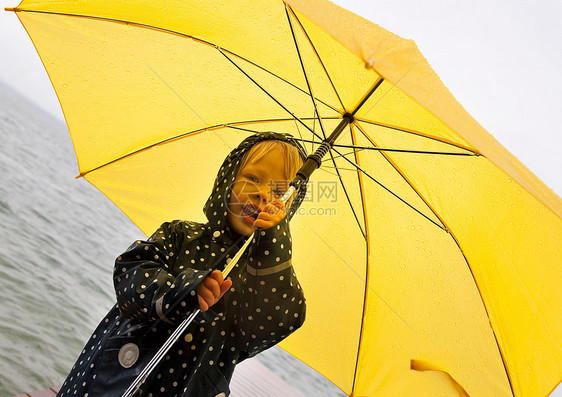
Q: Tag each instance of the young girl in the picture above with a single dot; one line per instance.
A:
(159, 282)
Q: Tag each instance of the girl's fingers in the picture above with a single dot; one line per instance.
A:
(275, 206)
(203, 306)
(212, 286)
(206, 294)
(260, 223)
(211, 289)
(224, 287)
(273, 210)
(217, 276)
(266, 220)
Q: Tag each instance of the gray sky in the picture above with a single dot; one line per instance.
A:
(501, 59)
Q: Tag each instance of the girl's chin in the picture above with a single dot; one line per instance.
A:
(248, 219)
(244, 225)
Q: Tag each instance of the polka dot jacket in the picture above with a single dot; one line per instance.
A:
(156, 283)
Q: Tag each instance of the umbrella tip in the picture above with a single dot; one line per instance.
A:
(14, 9)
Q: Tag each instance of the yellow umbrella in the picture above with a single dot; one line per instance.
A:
(429, 255)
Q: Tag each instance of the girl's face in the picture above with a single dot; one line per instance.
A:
(257, 184)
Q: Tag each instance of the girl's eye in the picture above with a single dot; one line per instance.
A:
(252, 178)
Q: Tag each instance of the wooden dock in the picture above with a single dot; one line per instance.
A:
(251, 379)
(50, 392)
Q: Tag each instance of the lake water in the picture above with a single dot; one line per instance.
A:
(60, 237)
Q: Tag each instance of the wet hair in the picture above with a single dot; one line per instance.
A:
(290, 153)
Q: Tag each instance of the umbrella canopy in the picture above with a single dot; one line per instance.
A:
(429, 255)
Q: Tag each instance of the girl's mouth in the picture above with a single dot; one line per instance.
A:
(251, 211)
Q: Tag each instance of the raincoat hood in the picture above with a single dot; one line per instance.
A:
(215, 208)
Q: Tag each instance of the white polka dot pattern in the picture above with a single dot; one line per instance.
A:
(155, 283)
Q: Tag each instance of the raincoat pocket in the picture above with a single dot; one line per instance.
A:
(123, 358)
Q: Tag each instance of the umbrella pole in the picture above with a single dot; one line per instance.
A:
(143, 375)
(314, 161)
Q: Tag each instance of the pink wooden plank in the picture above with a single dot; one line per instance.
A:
(43, 393)
(251, 379)
(50, 392)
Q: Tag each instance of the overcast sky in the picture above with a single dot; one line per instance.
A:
(501, 59)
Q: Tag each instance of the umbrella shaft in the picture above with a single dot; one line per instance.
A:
(345, 121)
(314, 161)
(135, 386)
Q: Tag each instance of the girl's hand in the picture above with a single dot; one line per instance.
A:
(272, 214)
(211, 289)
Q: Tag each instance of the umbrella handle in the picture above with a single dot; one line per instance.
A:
(136, 385)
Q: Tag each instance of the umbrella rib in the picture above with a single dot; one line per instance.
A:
(446, 228)
(304, 72)
(363, 230)
(300, 134)
(271, 73)
(317, 56)
(314, 142)
(387, 91)
(360, 278)
(178, 95)
(392, 193)
(201, 41)
(403, 176)
(382, 149)
(184, 135)
(323, 168)
(186, 104)
(301, 139)
(268, 94)
(359, 148)
(420, 134)
(367, 270)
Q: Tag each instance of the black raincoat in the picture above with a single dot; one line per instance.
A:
(156, 283)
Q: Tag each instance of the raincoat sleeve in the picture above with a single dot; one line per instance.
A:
(146, 285)
(274, 303)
